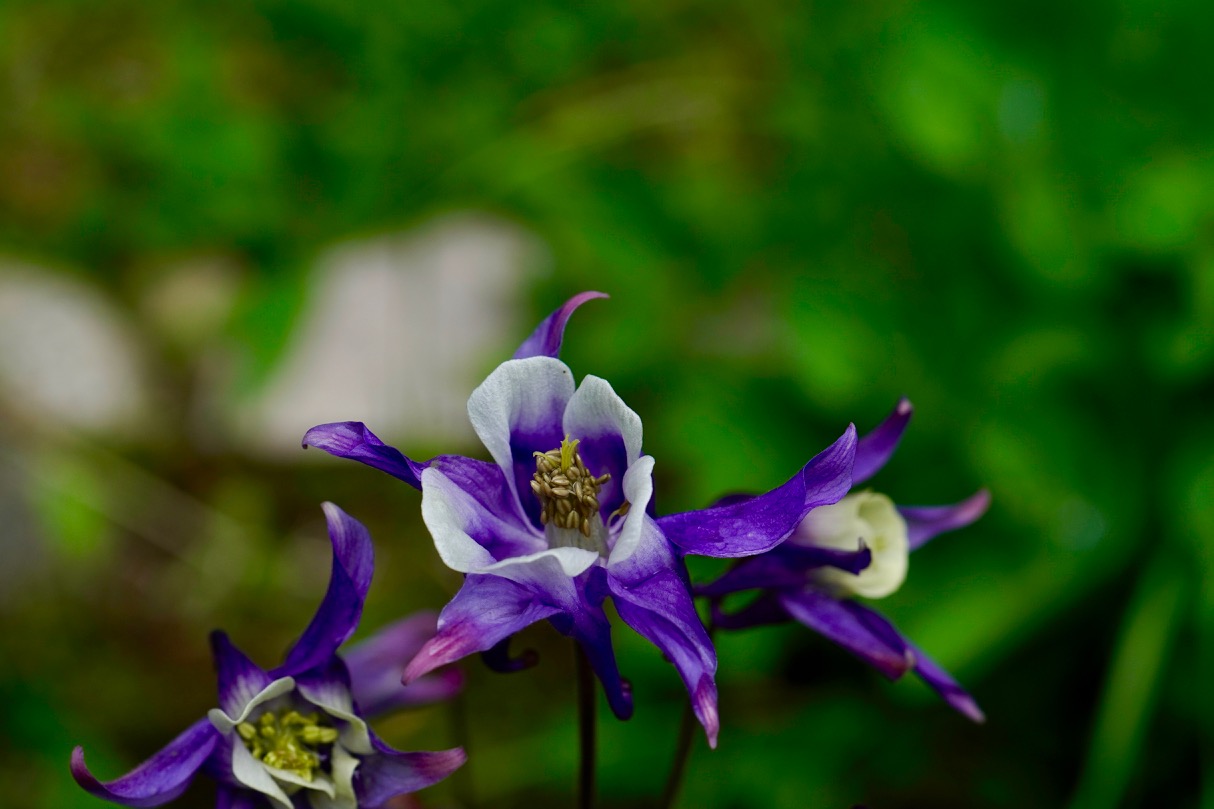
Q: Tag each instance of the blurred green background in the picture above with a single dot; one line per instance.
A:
(221, 223)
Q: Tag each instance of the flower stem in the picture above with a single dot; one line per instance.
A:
(682, 745)
(682, 751)
(586, 732)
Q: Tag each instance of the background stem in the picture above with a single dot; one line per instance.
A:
(586, 730)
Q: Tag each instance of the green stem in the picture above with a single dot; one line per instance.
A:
(586, 733)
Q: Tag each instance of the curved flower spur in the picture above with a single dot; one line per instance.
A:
(856, 547)
(563, 518)
(295, 736)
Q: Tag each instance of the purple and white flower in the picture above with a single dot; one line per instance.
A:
(858, 546)
(294, 736)
(563, 518)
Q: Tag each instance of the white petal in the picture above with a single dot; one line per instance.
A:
(564, 562)
(334, 698)
(860, 516)
(224, 723)
(596, 410)
(320, 782)
(446, 509)
(519, 397)
(253, 774)
(638, 490)
(342, 765)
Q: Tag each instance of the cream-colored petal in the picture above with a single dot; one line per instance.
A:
(224, 723)
(860, 517)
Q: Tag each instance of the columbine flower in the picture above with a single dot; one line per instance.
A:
(856, 547)
(563, 518)
(296, 731)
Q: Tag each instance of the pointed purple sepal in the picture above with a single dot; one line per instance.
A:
(352, 439)
(545, 341)
(926, 522)
(342, 607)
(785, 566)
(485, 611)
(161, 778)
(858, 629)
(877, 446)
(763, 611)
(389, 772)
(760, 523)
(943, 684)
(376, 664)
(240, 679)
(661, 610)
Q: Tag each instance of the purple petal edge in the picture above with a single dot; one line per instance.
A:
(352, 439)
(388, 772)
(860, 630)
(161, 778)
(949, 689)
(545, 341)
(877, 446)
(760, 523)
(240, 679)
(375, 666)
(485, 611)
(926, 522)
(342, 607)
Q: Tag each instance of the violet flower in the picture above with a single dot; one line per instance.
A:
(295, 735)
(858, 546)
(563, 517)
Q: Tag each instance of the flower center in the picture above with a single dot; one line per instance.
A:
(288, 740)
(568, 493)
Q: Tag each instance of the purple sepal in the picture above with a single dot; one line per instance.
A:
(485, 611)
(376, 663)
(858, 629)
(240, 679)
(500, 660)
(925, 522)
(943, 684)
(390, 772)
(352, 439)
(785, 566)
(876, 447)
(763, 611)
(545, 341)
(661, 610)
(342, 607)
(161, 778)
(760, 523)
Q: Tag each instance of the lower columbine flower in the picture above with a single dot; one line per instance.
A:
(856, 547)
(564, 518)
(293, 736)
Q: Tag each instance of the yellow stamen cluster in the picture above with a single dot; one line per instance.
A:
(287, 742)
(568, 493)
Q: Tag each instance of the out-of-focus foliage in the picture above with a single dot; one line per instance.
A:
(801, 212)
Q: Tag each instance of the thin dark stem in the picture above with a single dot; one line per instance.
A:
(682, 745)
(586, 733)
(682, 751)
